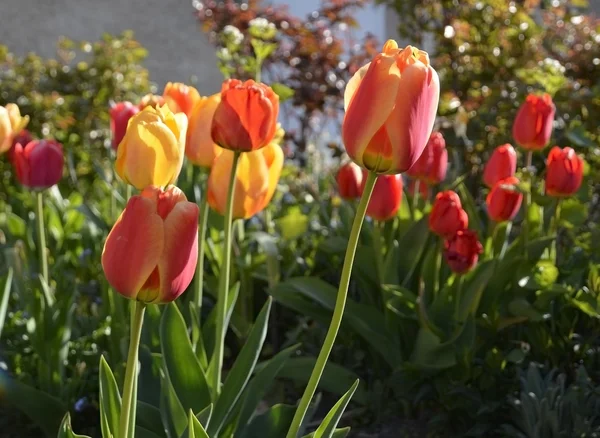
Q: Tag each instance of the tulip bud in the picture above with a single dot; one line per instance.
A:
(23, 138)
(11, 124)
(386, 197)
(349, 181)
(152, 151)
(502, 164)
(447, 215)
(246, 118)
(200, 148)
(504, 200)
(532, 127)
(256, 179)
(119, 117)
(151, 252)
(462, 250)
(38, 165)
(564, 172)
(390, 104)
(432, 165)
(180, 98)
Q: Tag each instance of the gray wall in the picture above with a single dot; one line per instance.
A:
(177, 49)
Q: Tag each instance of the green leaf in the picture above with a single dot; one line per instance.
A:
(240, 373)
(283, 91)
(535, 249)
(521, 307)
(4, 298)
(16, 225)
(141, 432)
(208, 329)
(474, 288)
(573, 213)
(338, 433)
(578, 136)
(172, 413)
(409, 250)
(543, 276)
(66, 431)
(204, 415)
(274, 423)
(195, 429)
(293, 225)
(110, 400)
(180, 362)
(470, 207)
(329, 423)
(148, 417)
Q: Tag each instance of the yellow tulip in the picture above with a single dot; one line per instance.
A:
(11, 124)
(152, 151)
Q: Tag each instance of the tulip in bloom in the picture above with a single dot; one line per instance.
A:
(180, 98)
(246, 118)
(390, 104)
(119, 117)
(386, 197)
(349, 180)
(461, 252)
(150, 254)
(564, 172)
(39, 164)
(11, 124)
(152, 151)
(504, 200)
(200, 148)
(256, 179)
(432, 165)
(447, 215)
(502, 164)
(532, 127)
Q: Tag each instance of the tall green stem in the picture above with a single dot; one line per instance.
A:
(378, 248)
(528, 163)
(554, 230)
(416, 195)
(198, 290)
(438, 266)
(506, 238)
(458, 297)
(129, 384)
(41, 235)
(338, 311)
(216, 362)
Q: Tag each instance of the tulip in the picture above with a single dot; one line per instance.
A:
(532, 127)
(256, 179)
(349, 180)
(200, 148)
(564, 172)
(502, 164)
(38, 165)
(246, 118)
(152, 151)
(390, 104)
(504, 200)
(11, 124)
(432, 165)
(151, 252)
(447, 215)
(386, 197)
(180, 98)
(119, 117)
(462, 250)
(151, 100)
(23, 138)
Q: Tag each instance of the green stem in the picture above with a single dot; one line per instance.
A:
(198, 290)
(554, 230)
(129, 384)
(438, 267)
(216, 362)
(458, 296)
(416, 194)
(128, 192)
(41, 235)
(506, 237)
(528, 163)
(378, 248)
(133, 405)
(338, 311)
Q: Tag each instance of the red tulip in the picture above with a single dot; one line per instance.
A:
(386, 197)
(564, 172)
(432, 164)
(246, 117)
(447, 215)
(532, 127)
(349, 180)
(150, 254)
(23, 138)
(504, 200)
(461, 252)
(39, 164)
(119, 117)
(502, 164)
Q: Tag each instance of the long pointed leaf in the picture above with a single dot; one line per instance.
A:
(66, 431)
(4, 298)
(110, 400)
(195, 429)
(329, 423)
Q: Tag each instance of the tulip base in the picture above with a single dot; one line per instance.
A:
(338, 311)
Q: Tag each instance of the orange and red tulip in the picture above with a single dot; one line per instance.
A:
(447, 215)
(180, 98)
(151, 252)
(532, 127)
(462, 250)
(200, 148)
(390, 104)
(504, 200)
(349, 181)
(152, 100)
(564, 172)
(120, 114)
(386, 197)
(502, 164)
(38, 164)
(432, 165)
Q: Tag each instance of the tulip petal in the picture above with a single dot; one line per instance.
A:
(200, 148)
(353, 84)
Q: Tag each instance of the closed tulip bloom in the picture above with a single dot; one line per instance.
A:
(151, 252)
(532, 127)
(432, 165)
(11, 124)
(564, 172)
(23, 138)
(386, 197)
(504, 200)
(256, 179)
(246, 118)
(447, 215)
(200, 148)
(349, 181)
(390, 104)
(462, 250)
(502, 164)
(120, 114)
(180, 98)
(152, 151)
(39, 164)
